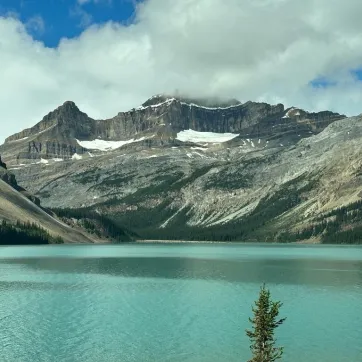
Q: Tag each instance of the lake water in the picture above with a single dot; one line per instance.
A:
(176, 303)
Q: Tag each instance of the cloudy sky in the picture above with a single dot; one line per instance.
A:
(111, 55)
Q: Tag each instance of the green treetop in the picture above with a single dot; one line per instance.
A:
(264, 322)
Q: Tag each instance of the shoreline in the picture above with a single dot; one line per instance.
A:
(303, 242)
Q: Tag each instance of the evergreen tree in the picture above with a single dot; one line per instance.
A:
(264, 324)
(25, 234)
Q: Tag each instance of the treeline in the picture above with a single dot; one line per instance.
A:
(346, 228)
(25, 234)
(96, 224)
(343, 225)
(257, 226)
(339, 226)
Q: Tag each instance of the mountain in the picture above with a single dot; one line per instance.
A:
(67, 132)
(17, 206)
(204, 169)
(23, 220)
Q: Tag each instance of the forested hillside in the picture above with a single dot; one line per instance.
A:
(25, 234)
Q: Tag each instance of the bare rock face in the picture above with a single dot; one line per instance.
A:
(10, 179)
(207, 192)
(159, 120)
(54, 137)
(67, 119)
(2, 164)
(285, 169)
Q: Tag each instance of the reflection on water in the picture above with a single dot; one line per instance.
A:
(176, 303)
(338, 273)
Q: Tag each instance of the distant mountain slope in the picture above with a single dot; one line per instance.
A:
(176, 168)
(21, 209)
(16, 207)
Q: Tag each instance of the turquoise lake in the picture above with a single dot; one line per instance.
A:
(176, 303)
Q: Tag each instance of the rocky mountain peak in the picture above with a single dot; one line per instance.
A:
(61, 134)
(65, 114)
(157, 99)
(68, 106)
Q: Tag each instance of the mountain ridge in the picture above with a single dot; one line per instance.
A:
(246, 172)
(17, 206)
(21, 214)
(58, 134)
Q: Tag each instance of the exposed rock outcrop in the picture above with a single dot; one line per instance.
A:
(2, 164)
(15, 207)
(10, 179)
(263, 170)
(159, 118)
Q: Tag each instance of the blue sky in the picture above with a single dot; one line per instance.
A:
(66, 18)
(325, 82)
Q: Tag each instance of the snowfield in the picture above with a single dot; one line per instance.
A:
(102, 145)
(287, 115)
(204, 137)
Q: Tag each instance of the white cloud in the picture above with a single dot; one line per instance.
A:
(85, 19)
(265, 50)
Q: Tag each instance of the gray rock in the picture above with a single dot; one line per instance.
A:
(162, 117)
(2, 164)
(286, 169)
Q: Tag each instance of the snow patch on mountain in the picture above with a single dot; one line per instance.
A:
(199, 148)
(19, 140)
(167, 102)
(204, 137)
(76, 157)
(43, 161)
(102, 145)
(293, 110)
(210, 108)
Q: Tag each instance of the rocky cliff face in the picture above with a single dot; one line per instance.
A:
(2, 164)
(159, 120)
(10, 179)
(15, 207)
(53, 137)
(249, 119)
(68, 120)
(197, 169)
(82, 228)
